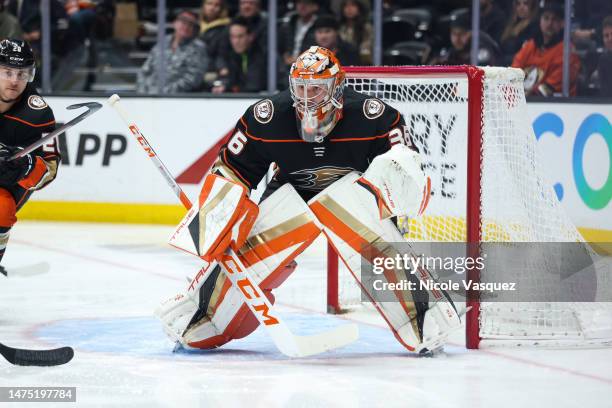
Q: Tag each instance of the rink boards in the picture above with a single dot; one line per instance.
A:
(106, 177)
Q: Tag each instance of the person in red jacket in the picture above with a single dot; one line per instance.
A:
(542, 57)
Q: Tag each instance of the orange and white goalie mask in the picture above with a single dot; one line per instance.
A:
(316, 80)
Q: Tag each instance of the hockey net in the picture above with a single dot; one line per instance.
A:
(472, 128)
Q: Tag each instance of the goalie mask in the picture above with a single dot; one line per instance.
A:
(316, 80)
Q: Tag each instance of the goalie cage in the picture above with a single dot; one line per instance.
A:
(472, 126)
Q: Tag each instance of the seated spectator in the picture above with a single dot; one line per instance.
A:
(492, 19)
(604, 67)
(9, 25)
(186, 59)
(81, 17)
(461, 44)
(355, 28)
(258, 23)
(606, 28)
(297, 33)
(326, 35)
(245, 65)
(542, 57)
(522, 26)
(213, 25)
(588, 15)
(28, 15)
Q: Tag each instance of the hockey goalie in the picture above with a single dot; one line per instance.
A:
(345, 167)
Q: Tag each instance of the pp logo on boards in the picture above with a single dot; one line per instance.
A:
(594, 124)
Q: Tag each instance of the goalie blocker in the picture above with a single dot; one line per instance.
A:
(354, 213)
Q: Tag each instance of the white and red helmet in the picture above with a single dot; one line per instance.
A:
(316, 80)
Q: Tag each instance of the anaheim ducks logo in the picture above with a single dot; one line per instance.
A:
(313, 61)
(373, 108)
(318, 178)
(36, 102)
(264, 111)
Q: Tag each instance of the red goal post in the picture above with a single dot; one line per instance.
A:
(487, 110)
(475, 76)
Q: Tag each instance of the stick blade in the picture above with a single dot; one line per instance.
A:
(41, 358)
(293, 345)
(94, 106)
(326, 341)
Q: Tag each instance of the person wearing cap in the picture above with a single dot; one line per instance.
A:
(185, 55)
(542, 57)
(461, 44)
(326, 36)
(297, 33)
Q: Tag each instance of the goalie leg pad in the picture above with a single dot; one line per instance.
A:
(350, 216)
(216, 314)
(208, 314)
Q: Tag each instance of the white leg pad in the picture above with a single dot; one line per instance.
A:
(284, 227)
(350, 217)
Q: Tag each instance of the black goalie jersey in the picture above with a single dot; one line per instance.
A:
(267, 133)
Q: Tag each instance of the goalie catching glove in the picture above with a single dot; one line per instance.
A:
(398, 181)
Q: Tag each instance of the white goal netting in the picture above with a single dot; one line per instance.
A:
(516, 205)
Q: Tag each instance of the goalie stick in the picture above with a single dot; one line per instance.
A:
(288, 343)
(41, 358)
(92, 107)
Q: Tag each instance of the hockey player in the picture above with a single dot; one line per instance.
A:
(24, 118)
(349, 157)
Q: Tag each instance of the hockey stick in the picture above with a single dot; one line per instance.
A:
(113, 101)
(288, 343)
(92, 107)
(42, 358)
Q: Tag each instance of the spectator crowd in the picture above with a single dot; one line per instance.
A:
(221, 46)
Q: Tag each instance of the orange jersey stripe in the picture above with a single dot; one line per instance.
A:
(357, 139)
(246, 132)
(397, 119)
(51, 122)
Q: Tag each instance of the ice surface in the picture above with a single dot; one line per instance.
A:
(105, 280)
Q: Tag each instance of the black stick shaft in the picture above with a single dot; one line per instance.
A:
(91, 108)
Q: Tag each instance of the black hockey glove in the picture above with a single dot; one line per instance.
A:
(14, 170)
